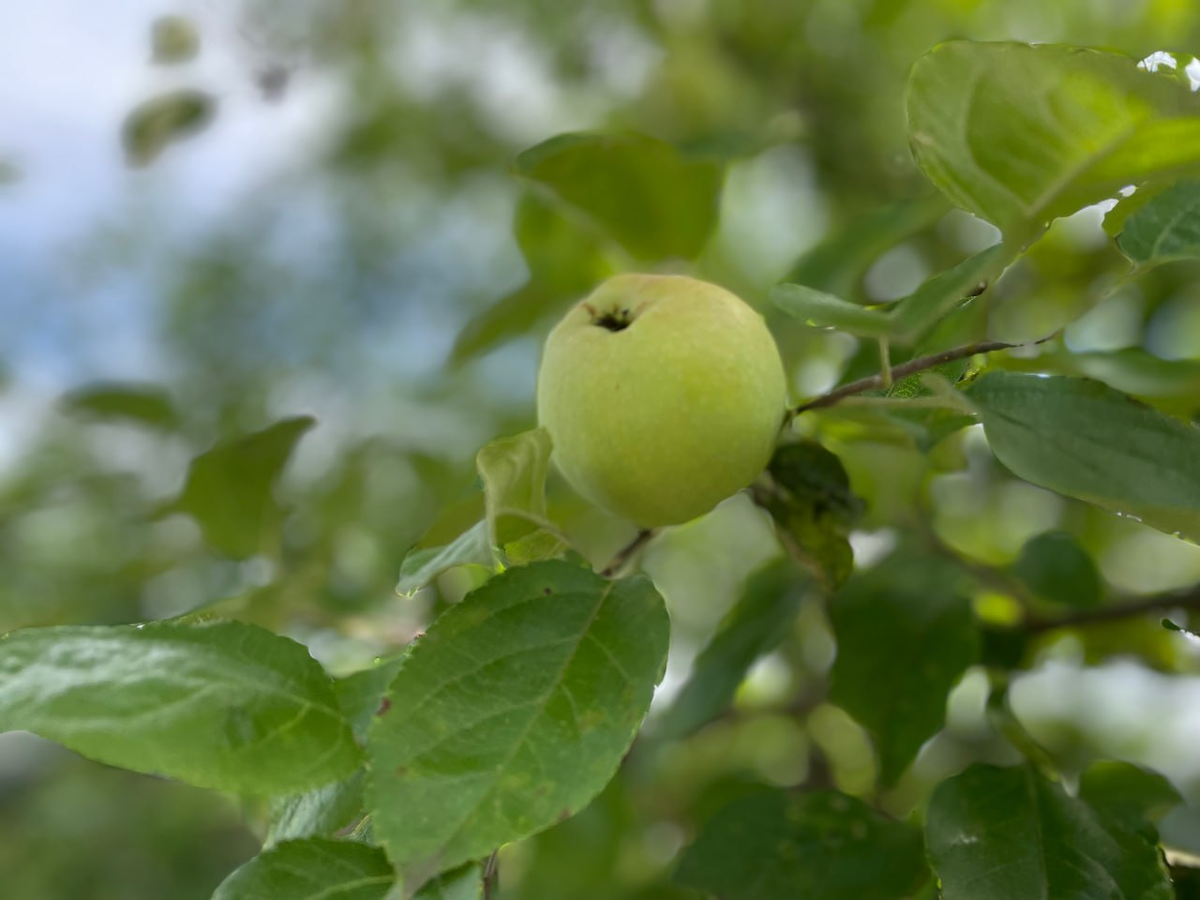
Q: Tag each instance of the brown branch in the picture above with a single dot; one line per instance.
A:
(1188, 599)
(903, 370)
(628, 552)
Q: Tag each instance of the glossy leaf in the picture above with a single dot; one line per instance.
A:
(230, 489)
(142, 404)
(158, 122)
(905, 634)
(223, 705)
(471, 548)
(1021, 134)
(1083, 439)
(1057, 569)
(773, 845)
(1167, 227)
(813, 507)
(996, 834)
(313, 869)
(651, 199)
(823, 310)
(756, 625)
(514, 710)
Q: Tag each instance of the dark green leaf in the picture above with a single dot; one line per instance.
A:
(471, 548)
(756, 625)
(942, 294)
(998, 834)
(1057, 569)
(827, 311)
(141, 403)
(222, 705)
(464, 883)
(1083, 439)
(313, 869)
(1021, 134)
(512, 712)
(174, 40)
(812, 505)
(654, 201)
(1127, 792)
(905, 634)
(229, 489)
(771, 846)
(166, 118)
(1167, 227)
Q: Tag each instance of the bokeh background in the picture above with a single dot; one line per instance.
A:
(340, 233)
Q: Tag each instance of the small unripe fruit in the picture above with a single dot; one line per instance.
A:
(663, 395)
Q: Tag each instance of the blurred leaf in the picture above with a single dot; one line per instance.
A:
(838, 263)
(1083, 439)
(472, 548)
(826, 845)
(230, 488)
(1166, 227)
(942, 294)
(464, 883)
(513, 471)
(997, 834)
(1021, 134)
(757, 624)
(822, 310)
(513, 315)
(1128, 792)
(905, 634)
(1057, 569)
(165, 118)
(312, 869)
(174, 40)
(324, 811)
(655, 202)
(223, 705)
(9, 173)
(141, 403)
(512, 712)
(813, 507)
(1135, 371)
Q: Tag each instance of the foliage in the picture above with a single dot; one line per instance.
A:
(788, 699)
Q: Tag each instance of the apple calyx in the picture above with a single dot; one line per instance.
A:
(615, 319)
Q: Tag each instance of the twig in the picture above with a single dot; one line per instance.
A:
(1188, 598)
(628, 552)
(903, 370)
(491, 876)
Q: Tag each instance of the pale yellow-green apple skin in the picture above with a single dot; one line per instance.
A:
(661, 420)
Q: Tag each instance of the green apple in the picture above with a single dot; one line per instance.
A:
(663, 395)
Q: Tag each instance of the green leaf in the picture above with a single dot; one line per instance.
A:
(512, 712)
(143, 404)
(827, 311)
(229, 489)
(330, 808)
(813, 507)
(1127, 792)
(1167, 227)
(654, 201)
(513, 471)
(471, 548)
(826, 845)
(174, 40)
(997, 834)
(1083, 439)
(905, 634)
(463, 883)
(756, 625)
(945, 292)
(222, 705)
(1057, 569)
(1020, 134)
(838, 263)
(313, 869)
(154, 124)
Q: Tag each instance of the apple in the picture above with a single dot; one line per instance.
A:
(663, 395)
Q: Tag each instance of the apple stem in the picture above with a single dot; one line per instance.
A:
(628, 552)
